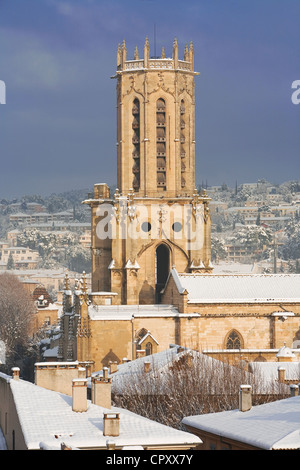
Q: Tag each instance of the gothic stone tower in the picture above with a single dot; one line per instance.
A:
(156, 219)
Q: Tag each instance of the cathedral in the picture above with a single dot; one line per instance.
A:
(152, 277)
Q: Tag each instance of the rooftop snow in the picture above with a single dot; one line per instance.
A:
(269, 426)
(254, 288)
(126, 312)
(45, 414)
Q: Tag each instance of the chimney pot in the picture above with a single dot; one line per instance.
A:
(245, 398)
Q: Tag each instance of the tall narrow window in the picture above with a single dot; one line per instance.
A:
(182, 142)
(148, 349)
(162, 268)
(136, 144)
(161, 143)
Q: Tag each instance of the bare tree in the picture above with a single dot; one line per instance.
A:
(193, 384)
(16, 316)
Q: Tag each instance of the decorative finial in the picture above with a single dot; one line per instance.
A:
(175, 52)
(163, 53)
(66, 282)
(119, 54)
(136, 53)
(186, 53)
(84, 289)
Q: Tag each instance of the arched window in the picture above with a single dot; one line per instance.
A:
(234, 340)
(162, 269)
(140, 335)
(161, 144)
(136, 144)
(182, 142)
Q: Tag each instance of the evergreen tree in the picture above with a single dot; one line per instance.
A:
(10, 262)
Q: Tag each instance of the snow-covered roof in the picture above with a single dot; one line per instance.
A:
(269, 370)
(270, 426)
(160, 363)
(250, 288)
(234, 268)
(127, 312)
(44, 414)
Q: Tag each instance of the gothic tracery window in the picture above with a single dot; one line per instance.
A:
(234, 340)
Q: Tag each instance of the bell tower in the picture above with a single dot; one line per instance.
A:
(156, 123)
(156, 219)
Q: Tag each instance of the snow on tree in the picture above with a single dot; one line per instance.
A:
(218, 248)
(16, 315)
(253, 237)
(291, 248)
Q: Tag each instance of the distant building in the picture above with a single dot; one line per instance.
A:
(22, 257)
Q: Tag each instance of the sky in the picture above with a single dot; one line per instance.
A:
(58, 122)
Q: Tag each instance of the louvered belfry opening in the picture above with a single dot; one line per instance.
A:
(136, 144)
(161, 143)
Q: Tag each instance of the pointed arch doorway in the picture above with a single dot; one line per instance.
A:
(162, 269)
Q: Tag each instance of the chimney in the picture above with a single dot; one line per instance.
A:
(111, 423)
(113, 367)
(245, 398)
(147, 366)
(294, 390)
(81, 373)
(79, 395)
(15, 373)
(110, 445)
(101, 389)
(105, 373)
(281, 374)
(140, 353)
